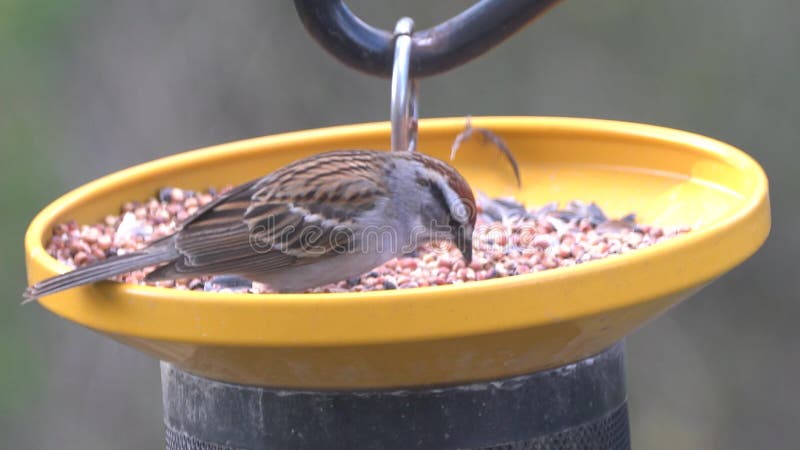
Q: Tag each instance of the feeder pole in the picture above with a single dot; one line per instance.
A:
(576, 406)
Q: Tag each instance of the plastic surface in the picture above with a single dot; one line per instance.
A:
(449, 334)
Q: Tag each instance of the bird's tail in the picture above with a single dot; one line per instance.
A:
(102, 270)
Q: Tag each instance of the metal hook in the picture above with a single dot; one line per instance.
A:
(404, 107)
(438, 49)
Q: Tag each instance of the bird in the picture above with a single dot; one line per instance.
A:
(322, 219)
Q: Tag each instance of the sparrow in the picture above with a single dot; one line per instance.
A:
(322, 219)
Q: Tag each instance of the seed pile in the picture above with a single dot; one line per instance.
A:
(509, 240)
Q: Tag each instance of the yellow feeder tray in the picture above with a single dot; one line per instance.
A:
(438, 335)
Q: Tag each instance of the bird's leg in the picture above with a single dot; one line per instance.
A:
(233, 282)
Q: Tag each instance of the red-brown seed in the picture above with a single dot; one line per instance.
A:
(80, 258)
(408, 263)
(518, 246)
(542, 241)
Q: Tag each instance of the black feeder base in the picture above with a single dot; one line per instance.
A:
(577, 406)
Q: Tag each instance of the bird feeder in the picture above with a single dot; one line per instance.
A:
(527, 361)
(395, 342)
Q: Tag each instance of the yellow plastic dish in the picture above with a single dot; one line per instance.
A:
(448, 334)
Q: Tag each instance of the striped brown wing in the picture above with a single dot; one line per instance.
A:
(293, 216)
(216, 233)
(308, 209)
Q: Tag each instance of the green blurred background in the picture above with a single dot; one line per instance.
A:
(88, 87)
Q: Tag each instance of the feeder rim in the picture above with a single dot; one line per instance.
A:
(589, 128)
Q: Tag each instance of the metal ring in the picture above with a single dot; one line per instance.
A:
(403, 113)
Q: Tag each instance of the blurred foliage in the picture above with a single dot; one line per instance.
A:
(88, 87)
(29, 35)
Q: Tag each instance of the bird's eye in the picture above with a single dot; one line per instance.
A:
(460, 212)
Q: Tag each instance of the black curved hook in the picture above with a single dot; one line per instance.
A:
(435, 50)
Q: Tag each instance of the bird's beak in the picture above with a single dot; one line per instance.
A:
(464, 242)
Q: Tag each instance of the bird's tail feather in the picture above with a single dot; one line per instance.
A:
(101, 270)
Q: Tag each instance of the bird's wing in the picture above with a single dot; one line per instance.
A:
(280, 220)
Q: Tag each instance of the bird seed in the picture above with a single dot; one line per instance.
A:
(509, 240)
